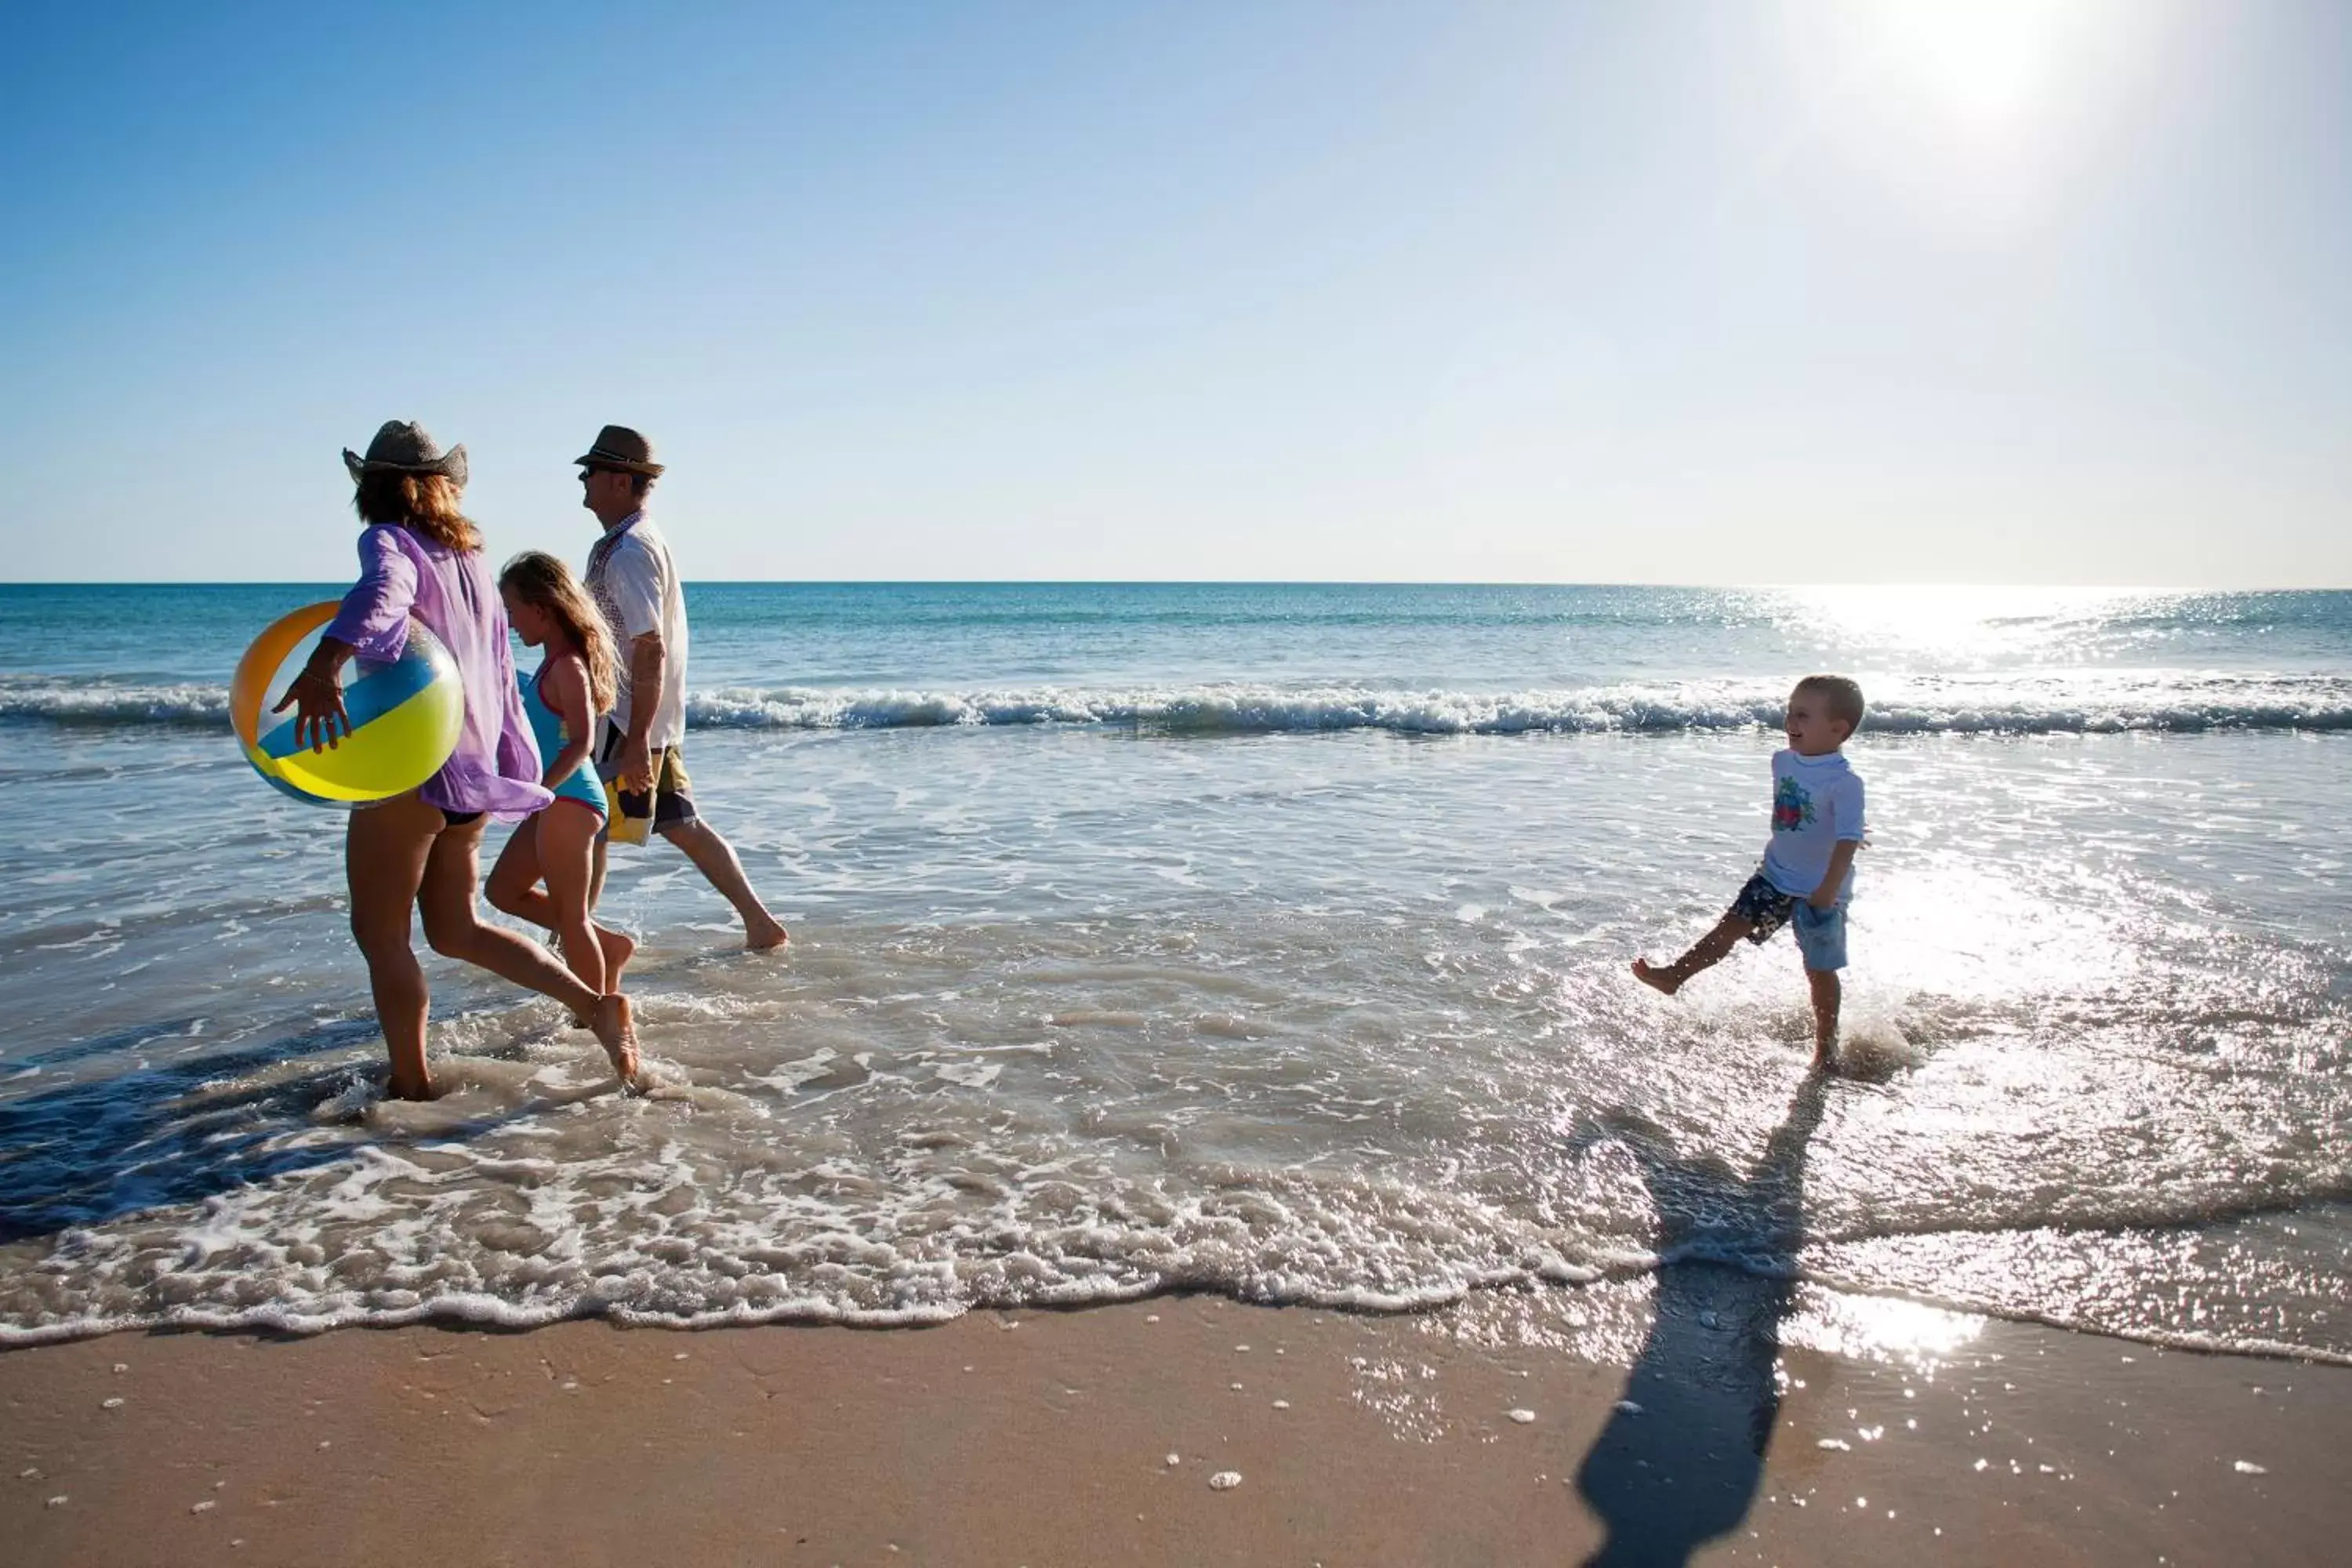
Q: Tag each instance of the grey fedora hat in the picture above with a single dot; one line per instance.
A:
(618, 446)
(404, 446)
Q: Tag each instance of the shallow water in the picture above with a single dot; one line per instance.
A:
(1273, 962)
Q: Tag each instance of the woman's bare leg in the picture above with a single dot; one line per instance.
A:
(384, 854)
(513, 884)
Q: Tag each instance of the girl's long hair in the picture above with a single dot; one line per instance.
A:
(426, 504)
(545, 583)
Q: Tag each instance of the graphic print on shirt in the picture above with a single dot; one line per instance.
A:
(600, 588)
(1793, 805)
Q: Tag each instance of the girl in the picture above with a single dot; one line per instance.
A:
(575, 683)
(421, 556)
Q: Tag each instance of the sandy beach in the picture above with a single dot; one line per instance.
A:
(1102, 1437)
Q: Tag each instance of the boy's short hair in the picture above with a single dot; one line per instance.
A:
(1841, 694)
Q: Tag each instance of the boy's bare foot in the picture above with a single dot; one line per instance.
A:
(617, 1033)
(1661, 980)
(769, 933)
(618, 949)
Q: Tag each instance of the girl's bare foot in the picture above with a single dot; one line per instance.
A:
(769, 933)
(618, 949)
(617, 1033)
(1664, 980)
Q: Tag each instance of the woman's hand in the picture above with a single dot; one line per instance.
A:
(316, 698)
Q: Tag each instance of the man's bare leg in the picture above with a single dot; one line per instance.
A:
(1705, 953)
(715, 858)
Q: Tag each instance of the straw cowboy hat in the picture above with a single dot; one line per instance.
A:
(404, 447)
(618, 446)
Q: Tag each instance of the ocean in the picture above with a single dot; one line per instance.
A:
(1265, 940)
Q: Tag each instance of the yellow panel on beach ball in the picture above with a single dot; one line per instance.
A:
(405, 717)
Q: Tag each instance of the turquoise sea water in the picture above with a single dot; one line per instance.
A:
(1261, 939)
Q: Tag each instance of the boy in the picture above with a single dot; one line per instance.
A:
(1808, 870)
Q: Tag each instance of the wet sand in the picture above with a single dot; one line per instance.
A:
(1095, 1436)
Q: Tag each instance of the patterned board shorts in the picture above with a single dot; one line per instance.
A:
(1819, 933)
(673, 791)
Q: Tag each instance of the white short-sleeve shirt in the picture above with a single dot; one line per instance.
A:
(631, 579)
(1817, 803)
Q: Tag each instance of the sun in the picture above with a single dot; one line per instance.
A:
(1967, 72)
(1988, 64)
(1979, 113)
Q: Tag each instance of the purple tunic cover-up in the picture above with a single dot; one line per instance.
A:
(496, 766)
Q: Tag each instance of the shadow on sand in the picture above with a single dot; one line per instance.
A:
(1679, 1462)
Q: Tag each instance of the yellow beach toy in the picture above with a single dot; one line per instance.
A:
(405, 716)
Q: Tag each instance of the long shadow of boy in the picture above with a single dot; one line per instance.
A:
(1678, 1464)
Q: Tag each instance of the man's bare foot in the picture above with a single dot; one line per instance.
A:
(616, 1031)
(618, 949)
(1663, 979)
(766, 934)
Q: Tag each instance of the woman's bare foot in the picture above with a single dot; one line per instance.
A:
(1663, 979)
(618, 949)
(617, 1033)
(769, 933)
(419, 1087)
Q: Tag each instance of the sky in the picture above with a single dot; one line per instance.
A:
(1832, 292)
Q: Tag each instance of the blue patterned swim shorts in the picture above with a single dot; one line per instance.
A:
(1819, 933)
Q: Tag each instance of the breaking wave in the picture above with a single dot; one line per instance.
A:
(2084, 703)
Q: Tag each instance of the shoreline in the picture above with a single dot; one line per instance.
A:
(1455, 1436)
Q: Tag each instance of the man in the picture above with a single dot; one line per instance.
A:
(632, 580)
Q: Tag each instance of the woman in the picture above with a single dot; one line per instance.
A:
(420, 556)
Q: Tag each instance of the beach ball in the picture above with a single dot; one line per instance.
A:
(405, 715)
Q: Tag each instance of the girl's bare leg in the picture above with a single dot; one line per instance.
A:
(1827, 993)
(567, 849)
(513, 887)
(454, 928)
(1705, 953)
(385, 855)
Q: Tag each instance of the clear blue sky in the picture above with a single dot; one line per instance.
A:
(1847, 291)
